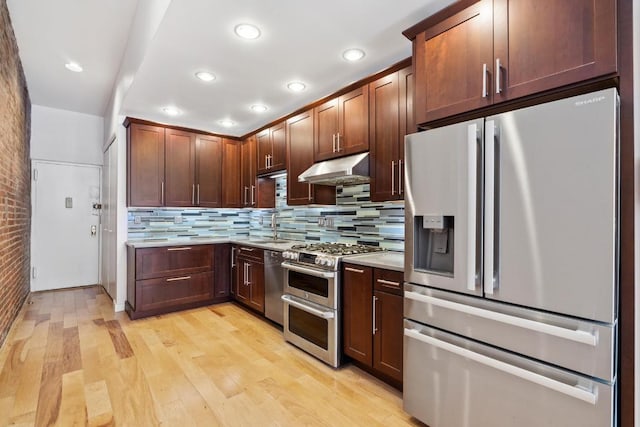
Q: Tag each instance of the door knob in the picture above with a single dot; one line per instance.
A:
(93, 230)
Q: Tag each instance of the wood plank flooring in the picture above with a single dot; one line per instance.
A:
(70, 360)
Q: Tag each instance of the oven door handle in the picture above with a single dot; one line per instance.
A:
(318, 313)
(309, 271)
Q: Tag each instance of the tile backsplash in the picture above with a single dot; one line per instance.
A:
(354, 219)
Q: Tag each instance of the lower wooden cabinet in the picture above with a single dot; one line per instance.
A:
(165, 279)
(372, 319)
(249, 277)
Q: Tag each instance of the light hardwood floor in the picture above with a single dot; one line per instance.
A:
(70, 360)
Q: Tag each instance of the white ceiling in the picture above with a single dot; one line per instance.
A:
(300, 40)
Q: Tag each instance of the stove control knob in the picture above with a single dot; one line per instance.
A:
(318, 261)
(330, 262)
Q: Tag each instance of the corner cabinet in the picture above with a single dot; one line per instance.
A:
(372, 320)
(390, 119)
(499, 50)
(342, 125)
(300, 158)
(166, 279)
(231, 173)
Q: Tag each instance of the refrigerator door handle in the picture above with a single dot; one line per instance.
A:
(472, 176)
(489, 207)
(582, 337)
(560, 387)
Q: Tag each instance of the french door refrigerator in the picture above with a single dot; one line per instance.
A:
(511, 268)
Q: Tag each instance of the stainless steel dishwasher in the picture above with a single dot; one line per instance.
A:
(273, 286)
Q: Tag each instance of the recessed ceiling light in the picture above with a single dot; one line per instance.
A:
(247, 31)
(205, 76)
(73, 66)
(296, 86)
(353, 55)
(259, 108)
(171, 111)
(226, 123)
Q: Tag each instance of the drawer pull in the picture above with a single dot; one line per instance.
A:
(388, 283)
(180, 249)
(354, 270)
(246, 249)
(175, 279)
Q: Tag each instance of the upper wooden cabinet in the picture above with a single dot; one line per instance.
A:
(300, 157)
(231, 156)
(145, 165)
(248, 172)
(208, 171)
(271, 149)
(173, 168)
(342, 125)
(180, 165)
(499, 50)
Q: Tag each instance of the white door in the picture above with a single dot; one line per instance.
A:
(109, 219)
(64, 230)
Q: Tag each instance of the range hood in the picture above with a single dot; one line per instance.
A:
(343, 171)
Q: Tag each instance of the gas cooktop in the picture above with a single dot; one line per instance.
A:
(335, 248)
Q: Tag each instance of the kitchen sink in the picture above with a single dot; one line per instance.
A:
(270, 241)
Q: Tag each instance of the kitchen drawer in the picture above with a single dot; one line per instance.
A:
(173, 261)
(450, 381)
(175, 291)
(250, 252)
(388, 281)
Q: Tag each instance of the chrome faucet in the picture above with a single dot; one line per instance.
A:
(274, 226)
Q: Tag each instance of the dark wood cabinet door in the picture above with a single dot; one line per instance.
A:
(278, 159)
(180, 162)
(243, 289)
(231, 194)
(208, 171)
(450, 60)
(544, 44)
(384, 131)
(256, 280)
(263, 151)
(326, 130)
(222, 270)
(300, 152)
(353, 122)
(248, 187)
(357, 309)
(388, 336)
(145, 165)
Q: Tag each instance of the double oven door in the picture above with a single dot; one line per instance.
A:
(311, 311)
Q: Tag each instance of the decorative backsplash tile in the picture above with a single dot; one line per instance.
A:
(354, 219)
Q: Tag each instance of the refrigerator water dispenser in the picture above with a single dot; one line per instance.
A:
(433, 244)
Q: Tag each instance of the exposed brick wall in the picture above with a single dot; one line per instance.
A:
(15, 178)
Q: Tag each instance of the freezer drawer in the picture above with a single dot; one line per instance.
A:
(552, 338)
(450, 381)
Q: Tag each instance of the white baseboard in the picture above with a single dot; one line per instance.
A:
(118, 307)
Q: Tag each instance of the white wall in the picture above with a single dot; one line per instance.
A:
(121, 220)
(66, 136)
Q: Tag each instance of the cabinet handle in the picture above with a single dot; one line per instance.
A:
(353, 270)
(248, 274)
(246, 249)
(198, 194)
(184, 248)
(334, 142)
(253, 195)
(498, 78)
(375, 329)
(244, 273)
(309, 191)
(393, 177)
(266, 161)
(389, 283)
(485, 92)
(338, 140)
(162, 193)
(233, 257)
(174, 279)
(193, 194)
(400, 173)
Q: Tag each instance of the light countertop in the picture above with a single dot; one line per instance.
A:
(387, 260)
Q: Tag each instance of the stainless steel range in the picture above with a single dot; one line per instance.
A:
(312, 296)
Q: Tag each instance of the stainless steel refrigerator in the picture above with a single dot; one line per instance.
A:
(511, 268)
